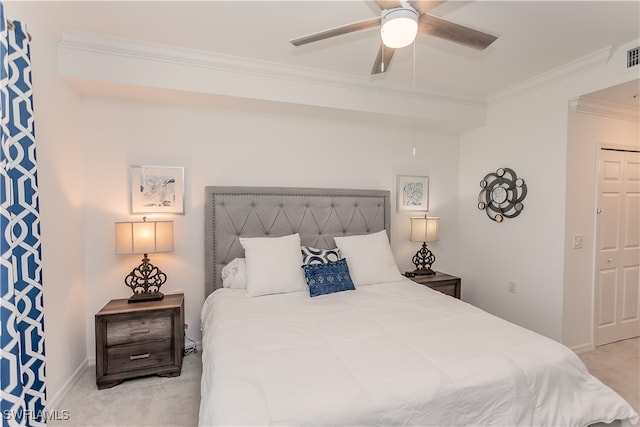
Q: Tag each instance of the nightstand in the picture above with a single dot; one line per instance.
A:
(134, 340)
(442, 282)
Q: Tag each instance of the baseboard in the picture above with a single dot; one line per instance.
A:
(54, 402)
(583, 348)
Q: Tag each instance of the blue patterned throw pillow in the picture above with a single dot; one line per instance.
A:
(319, 256)
(328, 278)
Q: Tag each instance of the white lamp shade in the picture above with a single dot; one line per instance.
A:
(399, 27)
(424, 229)
(144, 237)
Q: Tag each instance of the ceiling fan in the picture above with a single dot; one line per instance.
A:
(400, 22)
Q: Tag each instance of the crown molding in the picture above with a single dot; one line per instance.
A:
(598, 107)
(128, 48)
(586, 63)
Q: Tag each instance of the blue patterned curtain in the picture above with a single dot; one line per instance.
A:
(22, 367)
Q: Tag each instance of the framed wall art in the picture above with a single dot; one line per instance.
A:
(156, 189)
(412, 193)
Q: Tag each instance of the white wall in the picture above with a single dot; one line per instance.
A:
(59, 154)
(223, 145)
(527, 135)
(586, 133)
(527, 132)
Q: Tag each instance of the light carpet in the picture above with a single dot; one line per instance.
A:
(148, 401)
(618, 366)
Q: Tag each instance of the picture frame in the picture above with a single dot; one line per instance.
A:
(156, 189)
(412, 193)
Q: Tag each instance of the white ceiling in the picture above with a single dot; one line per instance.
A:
(533, 36)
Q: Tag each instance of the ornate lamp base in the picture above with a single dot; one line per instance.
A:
(145, 281)
(423, 259)
(146, 296)
(423, 271)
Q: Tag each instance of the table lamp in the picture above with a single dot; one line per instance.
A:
(144, 237)
(424, 229)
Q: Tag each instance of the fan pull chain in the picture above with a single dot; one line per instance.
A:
(413, 99)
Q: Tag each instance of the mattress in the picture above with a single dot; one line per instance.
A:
(387, 354)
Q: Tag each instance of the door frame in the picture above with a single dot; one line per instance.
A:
(599, 147)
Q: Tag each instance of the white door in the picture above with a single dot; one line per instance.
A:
(617, 287)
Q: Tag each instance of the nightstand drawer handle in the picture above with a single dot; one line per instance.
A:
(139, 356)
(140, 331)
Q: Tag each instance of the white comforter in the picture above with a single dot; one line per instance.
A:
(387, 354)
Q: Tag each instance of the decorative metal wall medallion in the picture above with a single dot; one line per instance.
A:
(502, 194)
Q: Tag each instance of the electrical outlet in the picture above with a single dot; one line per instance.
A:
(513, 287)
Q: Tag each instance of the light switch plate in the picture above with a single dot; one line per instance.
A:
(577, 241)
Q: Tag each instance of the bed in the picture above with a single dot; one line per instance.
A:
(370, 347)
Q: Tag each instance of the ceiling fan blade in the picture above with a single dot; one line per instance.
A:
(388, 4)
(439, 27)
(424, 6)
(349, 28)
(383, 59)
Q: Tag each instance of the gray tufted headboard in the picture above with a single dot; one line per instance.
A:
(318, 214)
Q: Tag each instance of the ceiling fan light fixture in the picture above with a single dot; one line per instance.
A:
(399, 27)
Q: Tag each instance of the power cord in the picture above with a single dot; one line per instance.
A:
(192, 349)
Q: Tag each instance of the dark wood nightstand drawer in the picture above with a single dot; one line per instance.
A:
(442, 282)
(446, 288)
(127, 331)
(138, 356)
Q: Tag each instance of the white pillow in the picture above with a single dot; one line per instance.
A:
(369, 258)
(234, 274)
(273, 265)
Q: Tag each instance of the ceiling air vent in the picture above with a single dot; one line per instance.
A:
(633, 57)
